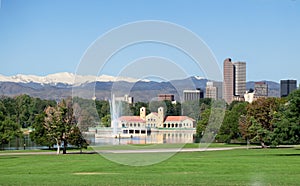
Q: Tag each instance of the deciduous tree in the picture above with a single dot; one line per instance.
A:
(288, 121)
(260, 119)
(230, 127)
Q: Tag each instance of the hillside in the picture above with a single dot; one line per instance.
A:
(62, 85)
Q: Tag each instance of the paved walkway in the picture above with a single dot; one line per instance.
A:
(24, 153)
(165, 150)
(162, 150)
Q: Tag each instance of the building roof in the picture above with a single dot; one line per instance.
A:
(178, 118)
(260, 83)
(131, 119)
(167, 119)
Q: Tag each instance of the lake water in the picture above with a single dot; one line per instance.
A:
(106, 137)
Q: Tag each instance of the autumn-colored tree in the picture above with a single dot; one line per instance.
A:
(54, 125)
(260, 119)
(61, 126)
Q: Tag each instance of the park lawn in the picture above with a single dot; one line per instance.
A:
(166, 146)
(230, 167)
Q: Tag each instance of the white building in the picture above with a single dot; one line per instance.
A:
(155, 120)
(250, 97)
(192, 95)
(126, 98)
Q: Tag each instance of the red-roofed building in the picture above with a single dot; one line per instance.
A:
(155, 120)
(179, 122)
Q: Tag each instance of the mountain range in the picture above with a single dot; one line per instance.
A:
(62, 85)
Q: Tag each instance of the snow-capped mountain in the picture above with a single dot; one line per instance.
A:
(62, 85)
(64, 78)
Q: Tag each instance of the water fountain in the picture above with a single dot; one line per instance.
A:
(115, 111)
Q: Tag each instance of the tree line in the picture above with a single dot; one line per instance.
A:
(268, 121)
(51, 123)
(56, 124)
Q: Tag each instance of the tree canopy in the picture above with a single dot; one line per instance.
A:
(268, 121)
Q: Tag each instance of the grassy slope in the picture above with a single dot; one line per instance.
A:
(234, 167)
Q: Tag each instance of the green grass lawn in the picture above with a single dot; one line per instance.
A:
(164, 146)
(232, 167)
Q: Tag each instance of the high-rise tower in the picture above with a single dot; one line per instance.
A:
(234, 80)
(228, 84)
(240, 78)
(287, 86)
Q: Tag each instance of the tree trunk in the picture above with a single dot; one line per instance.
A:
(263, 145)
(65, 147)
(58, 147)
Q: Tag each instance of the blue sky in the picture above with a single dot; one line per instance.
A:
(49, 36)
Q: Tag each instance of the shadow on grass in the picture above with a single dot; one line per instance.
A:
(91, 152)
(288, 155)
(8, 157)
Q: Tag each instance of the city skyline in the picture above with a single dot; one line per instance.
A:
(41, 38)
(234, 80)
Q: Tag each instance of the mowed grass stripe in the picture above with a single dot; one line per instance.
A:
(233, 167)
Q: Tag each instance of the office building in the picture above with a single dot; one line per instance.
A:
(287, 86)
(228, 85)
(234, 85)
(126, 98)
(214, 90)
(168, 97)
(240, 78)
(192, 95)
(261, 89)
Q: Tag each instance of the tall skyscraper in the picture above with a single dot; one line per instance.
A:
(234, 80)
(228, 85)
(240, 78)
(287, 86)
